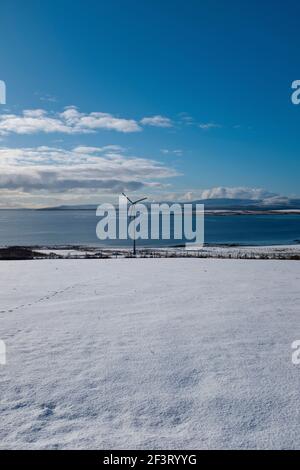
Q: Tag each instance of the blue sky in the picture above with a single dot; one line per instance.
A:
(188, 95)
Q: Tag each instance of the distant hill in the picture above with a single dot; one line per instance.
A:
(84, 207)
(250, 204)
(216, 204)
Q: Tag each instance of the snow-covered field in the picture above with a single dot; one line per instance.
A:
(149, 353)
(275, 251)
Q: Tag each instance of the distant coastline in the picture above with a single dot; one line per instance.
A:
(215, 207)
(217, 212)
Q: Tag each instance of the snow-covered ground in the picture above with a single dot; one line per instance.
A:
(274, 251)
(149, 353)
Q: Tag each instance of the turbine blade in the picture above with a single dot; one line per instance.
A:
(140, 200)
(127, 198)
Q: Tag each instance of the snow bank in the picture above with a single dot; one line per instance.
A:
(175, 353)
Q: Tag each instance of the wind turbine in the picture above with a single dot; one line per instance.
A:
(132, 205)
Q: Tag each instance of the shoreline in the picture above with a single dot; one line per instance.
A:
(207, 212)
(232, 251)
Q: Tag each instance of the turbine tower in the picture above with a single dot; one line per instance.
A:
(132, 206)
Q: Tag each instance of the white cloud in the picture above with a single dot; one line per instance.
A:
(70, 121)
(157, 121)
(31, 123)
(228, 193)
(83, 170)
(177, 152)
(46, 97)
(95, 121)
(49, 98)
(209, 125)
(106, 148)
(185, 119)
